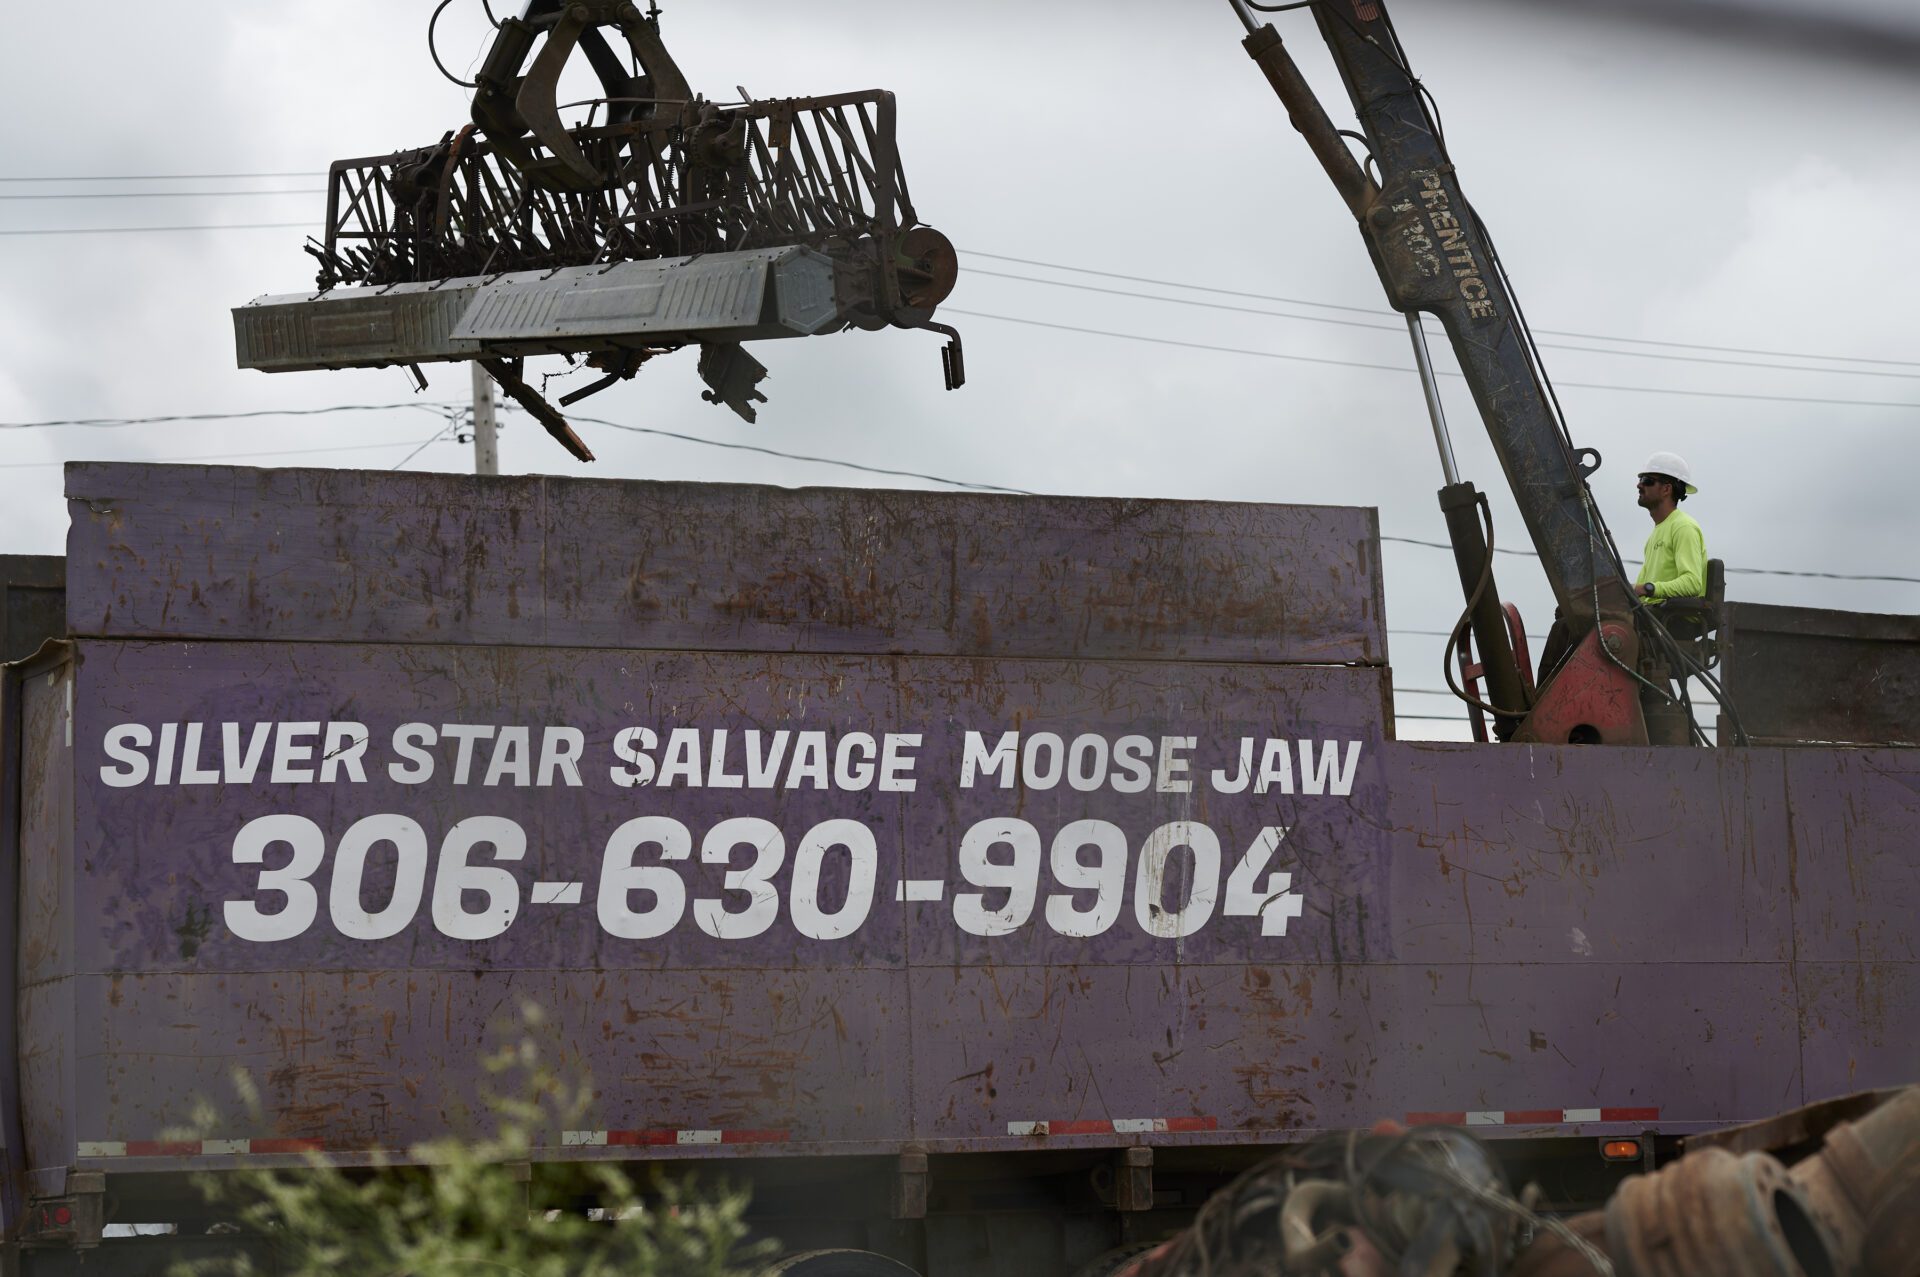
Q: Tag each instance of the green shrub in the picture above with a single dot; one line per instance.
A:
(461, 1208)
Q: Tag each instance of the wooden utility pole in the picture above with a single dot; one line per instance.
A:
(486, 449)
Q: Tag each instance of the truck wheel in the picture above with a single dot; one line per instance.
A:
(838, 1263)
(1115, 1260)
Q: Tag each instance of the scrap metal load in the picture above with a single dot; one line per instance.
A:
(673, 222)
(1433, 1202)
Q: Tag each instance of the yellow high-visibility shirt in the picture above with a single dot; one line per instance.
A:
(1676, 558)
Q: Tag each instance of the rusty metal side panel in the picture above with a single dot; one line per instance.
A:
(1516, 930)
(32, 603)
(1592, 928)
(384, 1059)
(1555, 854)
(48, 1075)
(1269, 1052)
(823, 569)
(1859, 1019)
(159, 856)
(960, 1057)
(340, 556)
(47, 921)
(225, 552)
(1856, 869)
(826, 1038)
(1856, 884)
(1815, 675)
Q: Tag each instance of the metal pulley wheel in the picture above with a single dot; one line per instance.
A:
(928, 267)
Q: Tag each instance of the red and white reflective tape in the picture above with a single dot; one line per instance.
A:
(568, 1139)
(193, 1148)
(1116, 1126)
(669, 1138)
(1532, 1117)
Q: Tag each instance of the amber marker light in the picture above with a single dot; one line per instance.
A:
(1621, 1150)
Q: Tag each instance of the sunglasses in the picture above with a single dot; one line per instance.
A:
(1648, 481)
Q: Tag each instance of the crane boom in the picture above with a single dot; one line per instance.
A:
(1434, 256)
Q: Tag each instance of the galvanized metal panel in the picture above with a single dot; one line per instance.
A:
(1563, 855)
(682, 294)
(803, 285)
(758, 293)
(336, 556)
(354, 327)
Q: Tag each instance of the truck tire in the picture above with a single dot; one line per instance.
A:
(838, 1263)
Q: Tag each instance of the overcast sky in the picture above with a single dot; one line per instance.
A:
(1715, 183)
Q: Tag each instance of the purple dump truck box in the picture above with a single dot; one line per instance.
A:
(859, 822)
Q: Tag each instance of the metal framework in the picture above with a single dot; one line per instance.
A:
(620, 239)
(823, 172)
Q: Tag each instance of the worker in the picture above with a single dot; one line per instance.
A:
(1676, 553)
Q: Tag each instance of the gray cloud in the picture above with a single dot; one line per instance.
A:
(1885, 33)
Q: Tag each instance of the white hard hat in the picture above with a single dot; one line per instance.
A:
(1673, 464)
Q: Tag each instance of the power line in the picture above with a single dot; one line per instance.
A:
(1186, 301)
(438, 407)
(163, 177)
(152, 195)
(1000, 257)
(1188, 345)
(1823, 576)
(1401, 329)
(426, 443)
(1828, 576)
(117, 422)
(1351, 363)
(1174, 283)
(1652, 390)
(155, 230)
(798, 456)
(433, 406)
(1442, 545)
(1375, 310)
(1023, 261)
(223, 456)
